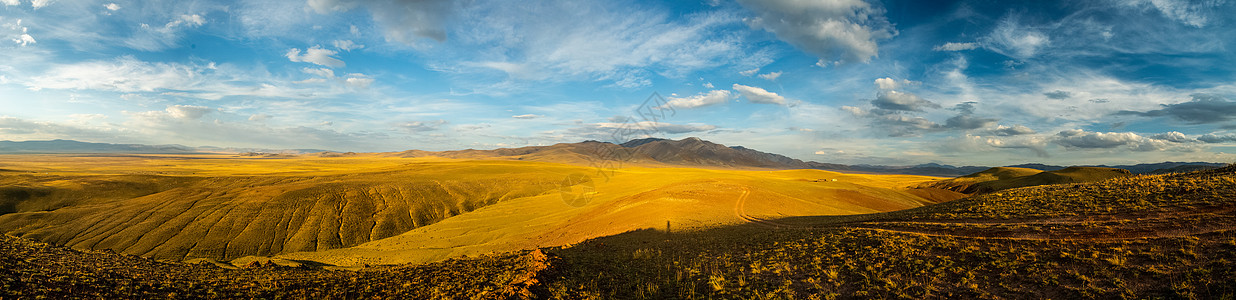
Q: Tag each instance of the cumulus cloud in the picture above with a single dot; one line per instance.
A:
(759, 95)
(188, 112)
(316, 55)
(527, 116)
(402, 21)
(1012, 130)
(750, 72)
(112, 6)
(835, 31)
(1058, 95)
(11, 2)
(1203, 109)
(1081, 139)
(901, 101)
(950, 46)
(17, 33)
(1217, 138)
(771, 76)
(1175, 137)
(1036, 144)
(358, 80)
(700, 100)
(968, 122)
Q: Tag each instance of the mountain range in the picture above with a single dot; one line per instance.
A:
(690, 151)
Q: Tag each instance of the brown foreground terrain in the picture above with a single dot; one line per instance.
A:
(1162, 236)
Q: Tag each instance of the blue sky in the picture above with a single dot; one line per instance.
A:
(843, 81)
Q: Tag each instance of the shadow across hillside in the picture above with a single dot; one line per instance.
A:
(1131, 237)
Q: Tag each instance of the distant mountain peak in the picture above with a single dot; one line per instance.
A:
(639, 142)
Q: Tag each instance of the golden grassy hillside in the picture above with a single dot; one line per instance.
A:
(1163, 236)
(1002, 178)
(638, 198)
(393, 210)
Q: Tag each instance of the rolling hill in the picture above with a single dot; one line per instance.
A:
(1002, 178)
(226, 207)
(1161, 236)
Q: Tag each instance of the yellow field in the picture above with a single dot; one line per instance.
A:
(368, 209)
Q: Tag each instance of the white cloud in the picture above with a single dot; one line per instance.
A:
(259, 117)
(759, 95)
(194, 20)
(713, 97)
(1192, 13)
(422, 126)
(1011, 131)
(320, 72)
(750, 72)
(527, 116)
(893, 84)
(771, 76)
(951, 46)
(11, 2)
(671, 128)
(24, 40)
(358, 80)
(125, 74)
(16, 32)
(316, 55)
(708, 85)
(901, 101)
(599, 41)
(346, 45)
(187, 111)
(835, 31)
(110, 6)
(40, 3)
(1014, 40)
(1080, 139)
(204, 80)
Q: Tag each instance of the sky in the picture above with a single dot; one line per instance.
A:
(840, 81)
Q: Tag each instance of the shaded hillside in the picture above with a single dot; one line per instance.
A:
(1001, 178)
(1126, 237)
(1149, 168)
(34, 270)
(226, 217)
(694, 151)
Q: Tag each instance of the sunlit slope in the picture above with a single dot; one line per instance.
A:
(638, 198)
(226, 217)
(1001, 178)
